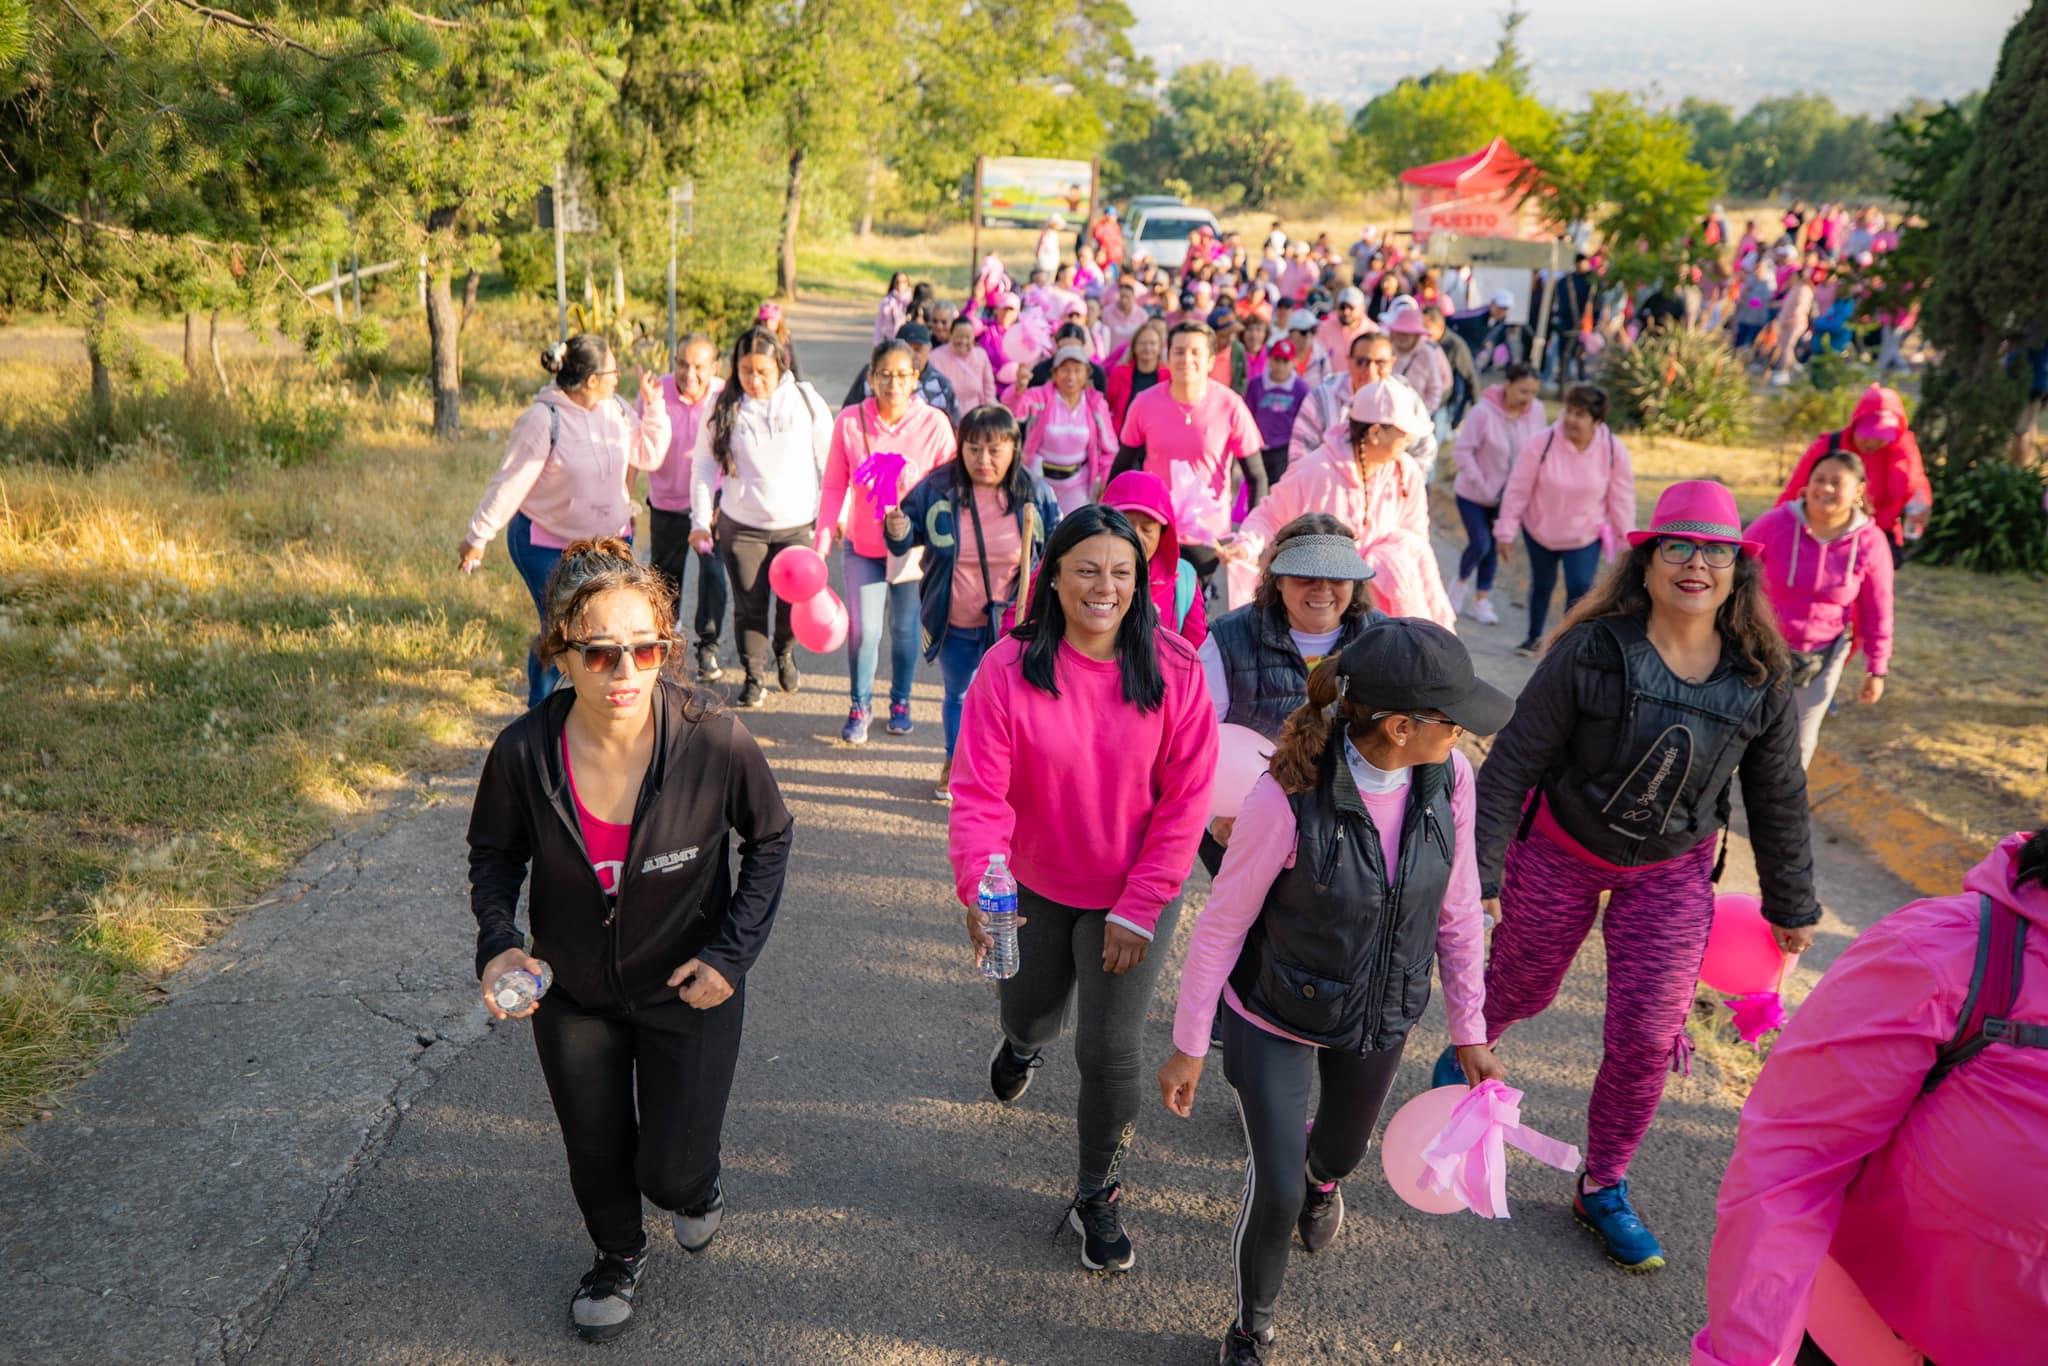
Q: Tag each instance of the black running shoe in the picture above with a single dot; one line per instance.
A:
(786, 672)
(1097, 1217)
(603, 1305)
(1239, 1349)
(1009, 1075)
(1529, 648)
(753, 696)
(708, 667)
(1322, 1214)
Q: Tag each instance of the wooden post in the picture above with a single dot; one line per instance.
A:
(1543, 319)
(672, 197)
(561, 265)
(974, 252)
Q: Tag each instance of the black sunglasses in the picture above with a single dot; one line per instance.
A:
(601, 658)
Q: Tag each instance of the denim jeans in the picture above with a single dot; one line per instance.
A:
(1480, 553)
(1579, 568)
(959, 658)
(534, 564)
(868, 591)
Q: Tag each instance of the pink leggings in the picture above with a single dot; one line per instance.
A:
(1655, 931)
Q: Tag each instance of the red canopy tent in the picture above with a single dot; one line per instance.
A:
(1473, 195)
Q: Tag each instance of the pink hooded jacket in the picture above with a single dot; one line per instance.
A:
(1569, 498)
(1135, 489)
(1897, 474)
(1389, 512)
(1820, 588)
(972, 377)
(1936, 1204)
(1488, 442)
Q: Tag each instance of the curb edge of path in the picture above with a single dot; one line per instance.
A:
(1856, 805)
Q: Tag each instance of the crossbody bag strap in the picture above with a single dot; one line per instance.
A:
(988, 592)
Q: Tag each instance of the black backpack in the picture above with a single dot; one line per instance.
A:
(1994, 990)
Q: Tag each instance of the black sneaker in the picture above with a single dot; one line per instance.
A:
(1239, 1349)
(1529, 647)
(603, 1304)
(1322, 1214)
(752, 696)
(1098, 1219)
(1009, 1075)
(786, 672)
(708, 667)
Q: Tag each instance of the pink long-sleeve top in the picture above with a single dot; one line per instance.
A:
(668, 488)
(1124, 839)
(577, 488)
(1488, 442)
(923, 438)
(972, 377)
(1262, 844)
(1569, 497)
(889, 315)
(1935, 1203)
(1821, 588)
(1428, 372)
(1060, 434)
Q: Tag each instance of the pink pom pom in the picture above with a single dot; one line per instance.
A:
(1757, 1014)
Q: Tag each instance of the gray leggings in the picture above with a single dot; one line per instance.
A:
(1273, 1077)
(1060, 953)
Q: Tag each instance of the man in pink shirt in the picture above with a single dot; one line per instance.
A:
(688, 394)
(1334, 334)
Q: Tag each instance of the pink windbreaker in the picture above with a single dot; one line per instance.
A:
(1389, 512)
(972, 377)
(923, 438)
(1897, 474)
(1571, 497)
(577, 489)
(1123, 840)
(1487, 445)
(1032, 408)
(1936, 1204)
(1820, 588)
(1261, 845)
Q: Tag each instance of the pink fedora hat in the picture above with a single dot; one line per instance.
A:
(1700, 510)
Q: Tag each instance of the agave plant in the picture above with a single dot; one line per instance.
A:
(1679, 382)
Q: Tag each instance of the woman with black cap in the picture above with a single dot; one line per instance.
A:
(1350, 869)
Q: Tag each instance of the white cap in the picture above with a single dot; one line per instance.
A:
(1391, 403)
(1352, 294)
(1301, 320)
(1067, 353)
(1502, 298)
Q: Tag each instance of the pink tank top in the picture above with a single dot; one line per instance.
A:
(603, 841)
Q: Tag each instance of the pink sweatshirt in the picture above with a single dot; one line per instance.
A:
(1488, 442)
(1936, 1204)
(1389, 511)
(1060, 435)
(1820, 588)
(1428, 372)
(578, 489)
(668, 488)
(1124, 839)
(972, 377)
(1262, 844)
(1571, 497)
(923, 438)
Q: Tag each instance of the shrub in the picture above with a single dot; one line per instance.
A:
(527, 260)
(1823, 398)
(1677, 382)
(1988, 517)
(279, 426)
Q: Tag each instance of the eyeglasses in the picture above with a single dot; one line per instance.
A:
(601, 658)
(1418, 716)
(599, 374)
(894, 377)
(1678, 550)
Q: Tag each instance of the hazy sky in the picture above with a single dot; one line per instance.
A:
(1869, 56)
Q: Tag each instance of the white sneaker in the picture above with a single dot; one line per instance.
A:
(1483, 613)
(1459, 592)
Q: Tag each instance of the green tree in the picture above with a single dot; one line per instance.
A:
(1442, 115)
(1713, 130)
(1509, 66)
(1627, 171)
(1235, 138)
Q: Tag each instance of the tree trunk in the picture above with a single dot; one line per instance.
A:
(195, 349)
(96, 355)
(867, 203)
(220, 372)
(444, 339)
(792, 207)
(469, 289)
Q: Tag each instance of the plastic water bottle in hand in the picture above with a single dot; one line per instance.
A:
(514, 991)
(999, 918)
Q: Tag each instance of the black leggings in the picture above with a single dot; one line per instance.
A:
(1060, 956)
(748, 552)
(1273, 1077)
(676, 1062)
(670, 534)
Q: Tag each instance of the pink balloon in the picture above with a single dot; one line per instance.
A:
(1845, 1325)
(1242, 754)
(797, 574)
(820, 621)
(1409, 1133)
(1742, 955)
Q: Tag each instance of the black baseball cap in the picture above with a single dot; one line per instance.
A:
(1408, 664)
(914, 334)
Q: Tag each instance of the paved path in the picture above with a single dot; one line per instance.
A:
(317, 1151)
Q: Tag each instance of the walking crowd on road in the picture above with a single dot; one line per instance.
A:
(1144, 522)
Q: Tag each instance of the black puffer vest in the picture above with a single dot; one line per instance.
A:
(1341, 952)
(1266, 674)
(1664, 786)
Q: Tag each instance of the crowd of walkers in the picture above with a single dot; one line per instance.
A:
(1128, 510)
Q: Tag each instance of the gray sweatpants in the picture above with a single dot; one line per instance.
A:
(1060, 956)
(1811, 702)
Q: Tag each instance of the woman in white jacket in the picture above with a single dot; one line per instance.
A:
(766, 443)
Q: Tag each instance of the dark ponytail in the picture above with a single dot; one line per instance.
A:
(1298, 754)
(574, 361)
(2032, 864)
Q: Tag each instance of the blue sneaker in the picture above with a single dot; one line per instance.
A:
(899, 718)
(1447, 1072)
(1630, 1245)
(855, 731)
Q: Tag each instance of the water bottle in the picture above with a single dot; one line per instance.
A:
(514, 991)
(998, 898)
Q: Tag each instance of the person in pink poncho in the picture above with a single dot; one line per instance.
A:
(1360, 476)
(1930, 1192)
(1900, 496)
(1069, 439)
(1176, 588)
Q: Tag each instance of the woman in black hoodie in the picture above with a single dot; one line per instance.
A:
(620, 796)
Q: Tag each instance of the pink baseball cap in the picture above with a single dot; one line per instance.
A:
(1390, 403)
(1008, 299)
(770, 312)
(1407, 321)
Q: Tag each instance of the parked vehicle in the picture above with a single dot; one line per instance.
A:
(1161, 232)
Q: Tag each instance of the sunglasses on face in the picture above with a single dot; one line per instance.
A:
(1678, 550)
(1417, 716)
(602, 658)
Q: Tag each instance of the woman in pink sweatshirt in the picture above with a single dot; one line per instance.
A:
(1505, 420)
(1930, 1191)
(895, 421)
(1088, 685)
(1322, 960)
(1572, 495)
(565, 472)
(1069, 440)
(1828, 571)
(965, 366)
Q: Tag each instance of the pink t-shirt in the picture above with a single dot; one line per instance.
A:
(969, 605)
(1208, 434)
(603, 841)
(923, 438)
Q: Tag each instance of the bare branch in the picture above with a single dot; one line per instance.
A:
(257, 27)
(147, 6)
(430, 21)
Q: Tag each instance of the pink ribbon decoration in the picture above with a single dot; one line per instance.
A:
(879, 475)
(1199, 516)
(1469, 1158)
(1757, 1014)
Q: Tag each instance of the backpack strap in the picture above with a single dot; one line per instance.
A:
(1994, 990)
(1183, 593)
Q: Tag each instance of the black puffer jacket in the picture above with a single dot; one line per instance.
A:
(677, 898)
(1573, 718)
